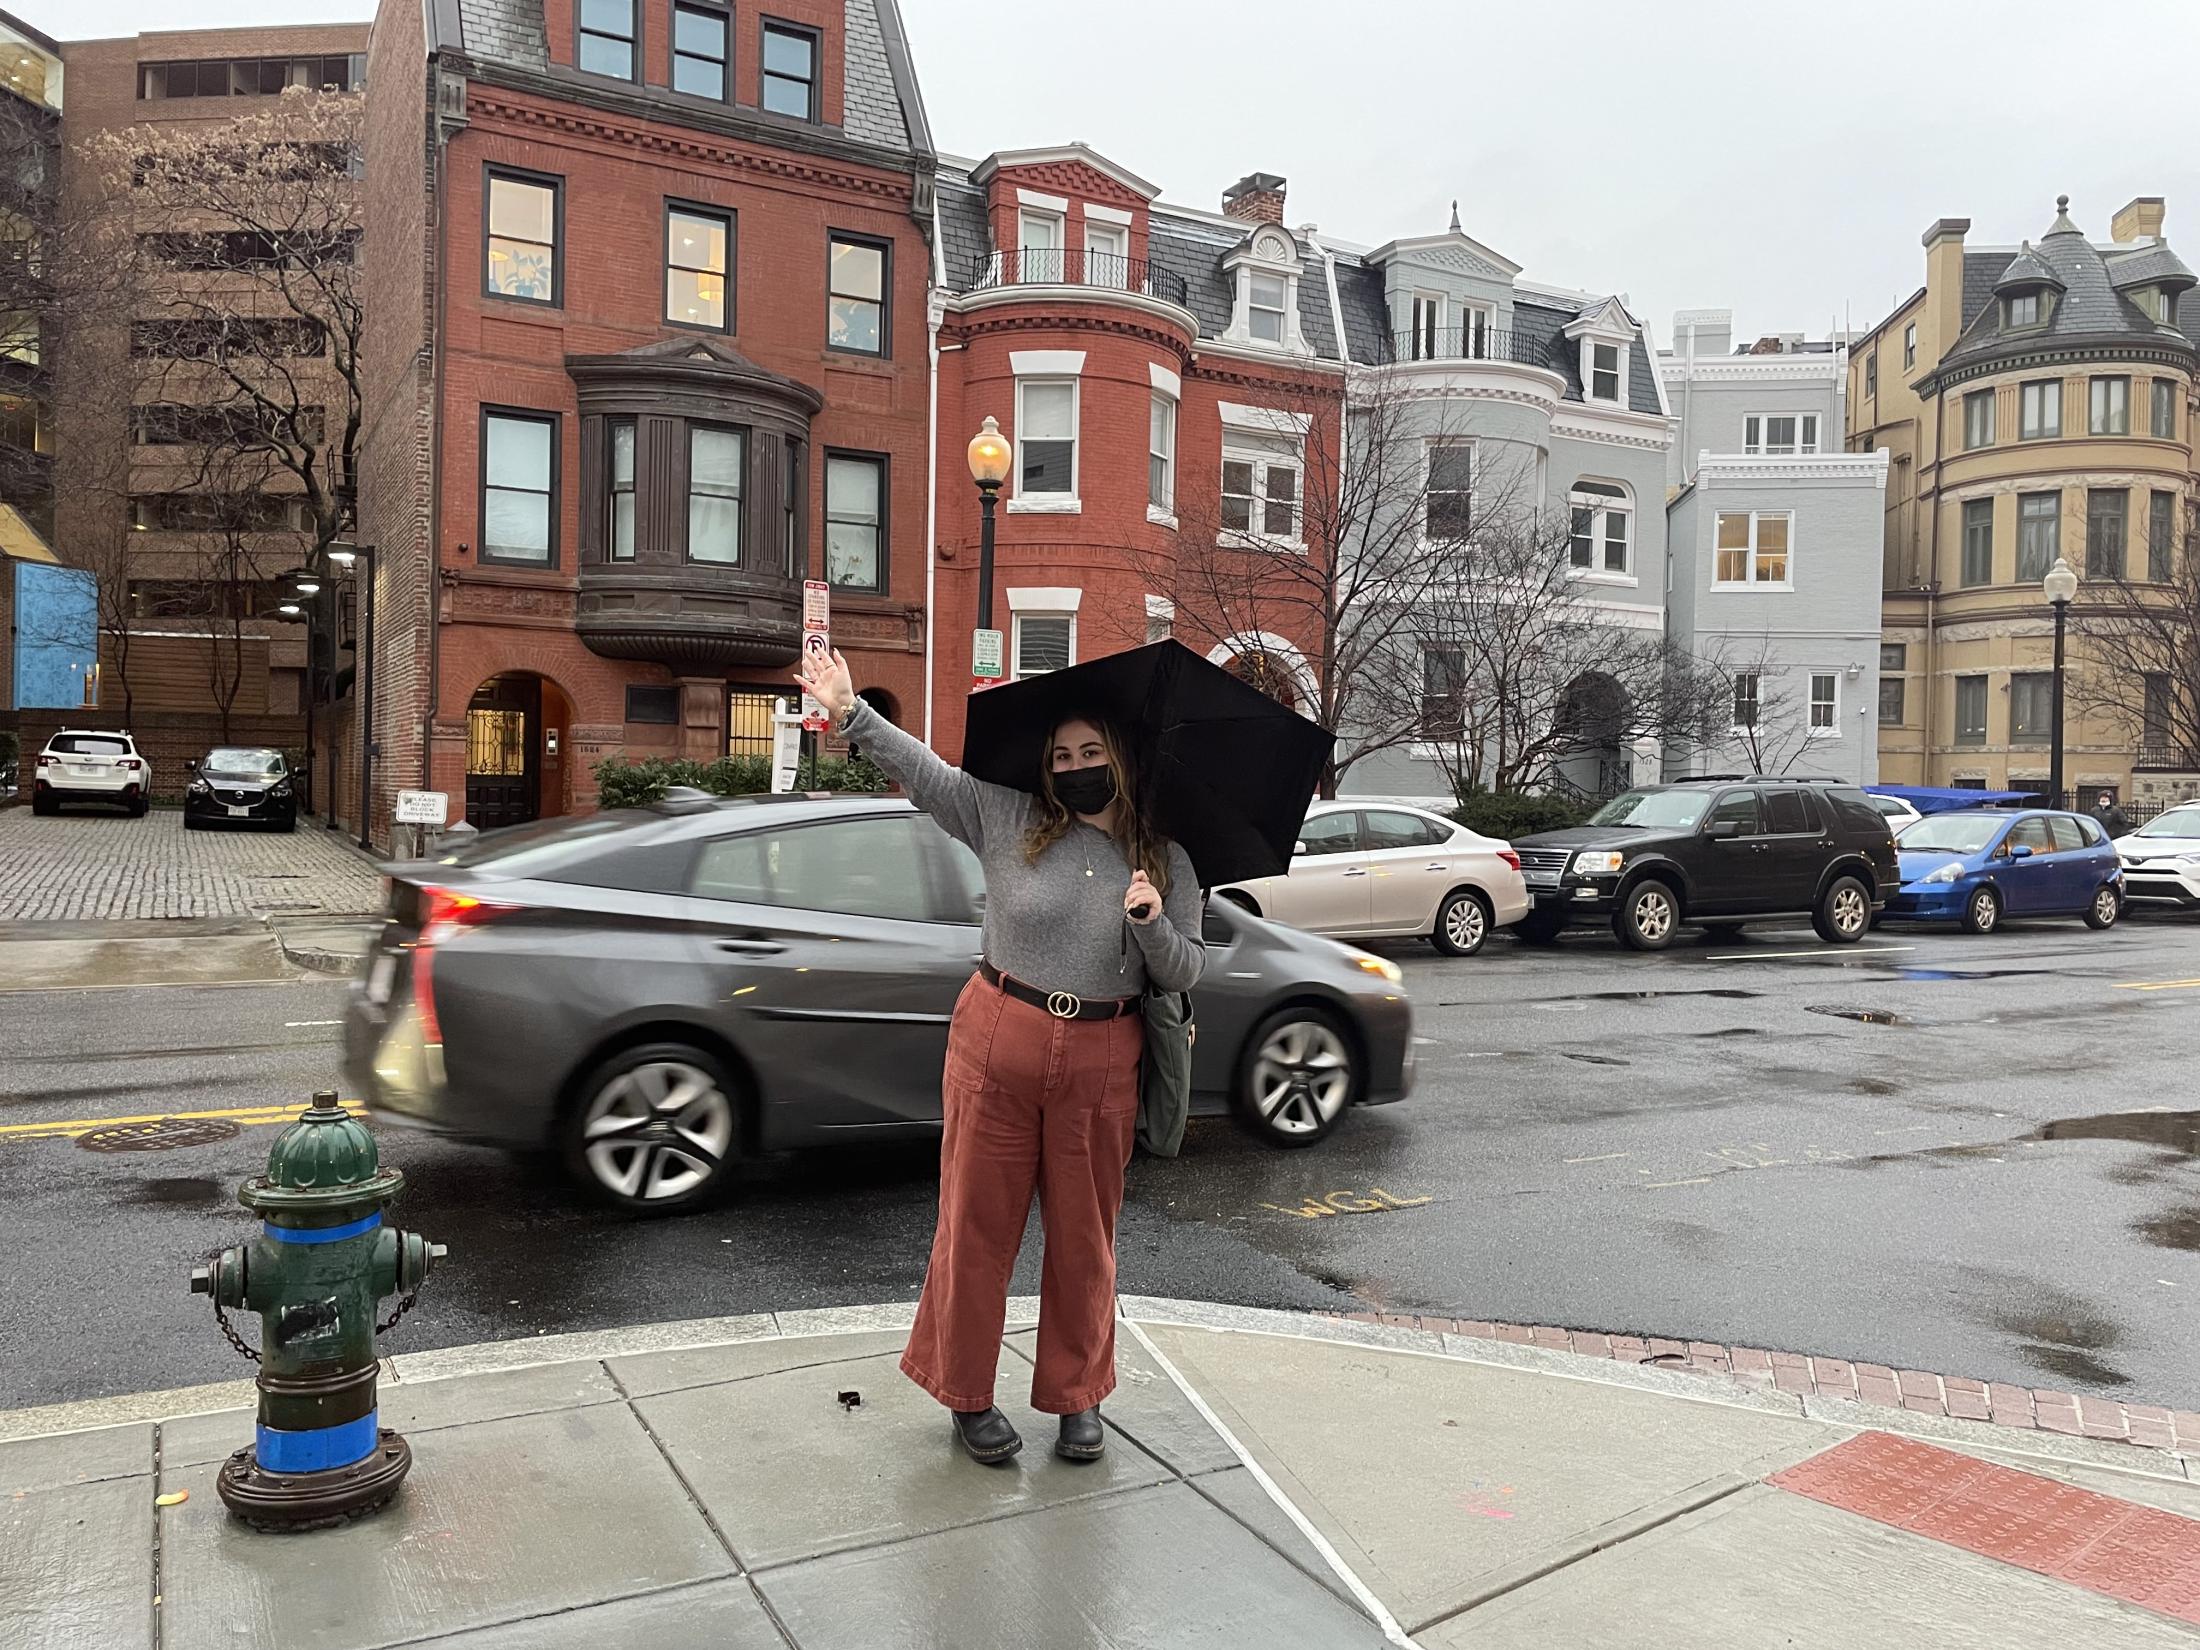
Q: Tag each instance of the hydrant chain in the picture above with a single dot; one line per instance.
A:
(236, 1340)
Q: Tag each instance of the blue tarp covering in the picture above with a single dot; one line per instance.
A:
(1929, 801)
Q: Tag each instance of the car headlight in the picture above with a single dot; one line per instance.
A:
(281, 787)
(1598, 864)
(199, 787)
(1947, 873)
(1368, 963)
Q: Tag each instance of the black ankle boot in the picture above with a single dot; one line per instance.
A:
(1082, 1438)
(987, 1434)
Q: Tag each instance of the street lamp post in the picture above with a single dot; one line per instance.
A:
(990, 457)
(2061, 586)
(302, 610)
(347, 557)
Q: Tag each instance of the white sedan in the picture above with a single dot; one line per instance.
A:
(2162, 858)
(1389, 871)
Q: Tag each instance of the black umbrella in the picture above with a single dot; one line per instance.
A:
(1222, 769)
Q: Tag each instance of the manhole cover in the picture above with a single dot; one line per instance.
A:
(164, 1134)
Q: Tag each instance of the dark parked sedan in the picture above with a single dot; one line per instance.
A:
(240, 785)
(654, 993)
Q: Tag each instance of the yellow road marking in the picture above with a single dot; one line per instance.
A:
(64, 1128)
(2158, 985)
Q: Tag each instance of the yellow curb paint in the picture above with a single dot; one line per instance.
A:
(2158, 985)
(66, 1127)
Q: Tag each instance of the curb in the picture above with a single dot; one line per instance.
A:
(343, 964)
(1408, 1337)
(1870, 1386)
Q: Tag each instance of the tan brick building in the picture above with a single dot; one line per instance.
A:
(2036, 402)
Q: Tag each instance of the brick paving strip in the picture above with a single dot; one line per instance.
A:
(2141, 1555)
(2080, 1416)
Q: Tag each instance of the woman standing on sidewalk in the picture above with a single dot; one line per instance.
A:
(1041, 1084)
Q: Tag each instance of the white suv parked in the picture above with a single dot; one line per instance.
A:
(83, 765)
(2162, 858)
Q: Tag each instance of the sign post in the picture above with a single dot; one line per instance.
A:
(421, 810)
(817, 643)
(985, 658)
(786, 746)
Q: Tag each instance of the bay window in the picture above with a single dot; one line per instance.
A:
(715, 461)
(1046, 440)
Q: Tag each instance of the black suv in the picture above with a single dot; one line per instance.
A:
(1715, 852)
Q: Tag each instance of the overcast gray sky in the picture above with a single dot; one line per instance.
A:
(1776, 159)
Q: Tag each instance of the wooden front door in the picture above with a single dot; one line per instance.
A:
(504, 752)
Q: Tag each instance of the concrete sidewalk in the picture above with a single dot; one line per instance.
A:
(1271, 1480)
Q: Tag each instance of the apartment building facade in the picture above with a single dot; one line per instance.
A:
(2036, 404)
(648, 321)
(1774, 537)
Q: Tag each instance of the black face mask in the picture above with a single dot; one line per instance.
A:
(1085, 790)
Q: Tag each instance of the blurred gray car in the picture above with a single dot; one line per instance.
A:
(657, 993)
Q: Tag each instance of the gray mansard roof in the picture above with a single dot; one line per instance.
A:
(881, 105)
(1185, 245)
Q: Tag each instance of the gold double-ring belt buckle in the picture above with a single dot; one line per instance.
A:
(1063, 1005)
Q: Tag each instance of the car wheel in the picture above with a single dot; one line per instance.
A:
(191, 824)
(654, 1128)
(1648, 917)
(1982, 912)
(1244, 902)
(1462, 925)
(42, 806)
(1539, 928)
(1297, 1075)
(1844, 914)
(2105, 909)
(138, 808)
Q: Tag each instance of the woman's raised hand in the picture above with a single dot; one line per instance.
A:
(828, 681)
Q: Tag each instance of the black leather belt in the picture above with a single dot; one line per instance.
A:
(1063, 1005)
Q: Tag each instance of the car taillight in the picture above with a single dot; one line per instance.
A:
(130, 762)
(1509, 857)
(442, 914)
(48, 761)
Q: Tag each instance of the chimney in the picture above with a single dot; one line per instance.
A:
(1943, 314)
(2140, 220)
(1255, 198)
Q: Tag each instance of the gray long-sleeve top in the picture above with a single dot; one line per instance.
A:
(1056, 923)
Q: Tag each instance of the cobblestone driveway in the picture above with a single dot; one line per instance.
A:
(87, 865)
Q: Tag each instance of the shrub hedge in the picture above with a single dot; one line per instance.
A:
(623, 784)
(1509, 814)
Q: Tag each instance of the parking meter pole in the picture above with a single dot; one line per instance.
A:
(315, 1275)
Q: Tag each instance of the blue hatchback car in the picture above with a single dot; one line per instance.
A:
(1981, 865)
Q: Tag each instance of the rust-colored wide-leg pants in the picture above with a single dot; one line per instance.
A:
(1031, 1101)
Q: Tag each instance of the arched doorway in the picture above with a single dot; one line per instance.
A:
(1593, 718)
(516, 728)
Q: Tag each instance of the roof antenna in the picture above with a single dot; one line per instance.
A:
(1455, 218)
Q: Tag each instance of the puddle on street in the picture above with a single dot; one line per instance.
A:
(1869, 1016)
(1913, 973)
(1594, 1059)
(2177, 1229)
(179, 1191)
(2073, 1366)
(2179, 1131)
(1731, 993)
(2061, 1335)
(1873, 1085)
(1732, 1031)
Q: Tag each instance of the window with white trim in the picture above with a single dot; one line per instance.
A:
(1780, 433)
(1160, 619)
(1038, 245)
(1161, 454)
(1746, 685)
(1443, 692)
(1602, 527)
(1450, 489)
(1107, 253)
(1825, 706)
(1042, 642)
(1267, 300)
(1260, 485)
(1752, 547)
(1605, 361)
(1046, 438)
(1428, 324)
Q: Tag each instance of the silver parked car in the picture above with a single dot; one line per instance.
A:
(655, 993)
(1389, 871)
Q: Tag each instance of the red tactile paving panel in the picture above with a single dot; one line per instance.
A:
(2138, 1554)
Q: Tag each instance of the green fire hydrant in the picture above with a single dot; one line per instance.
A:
(322, 1263)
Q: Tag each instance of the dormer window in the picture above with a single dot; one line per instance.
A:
(2153, 303)
(607, 38)
(1265, 307)
(2024, 310)
(1604, 364)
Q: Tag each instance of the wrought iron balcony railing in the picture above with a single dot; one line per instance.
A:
(1067, 266)
(1472, 342)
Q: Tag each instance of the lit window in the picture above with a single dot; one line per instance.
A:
(855, 522)
(607, 37)
(714, 494)
(1752, 547)
(856, 282)
(523, 238)
(697, 254)
(1046, 438)
(790, 71)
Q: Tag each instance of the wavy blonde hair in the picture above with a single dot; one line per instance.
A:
(1144, 849)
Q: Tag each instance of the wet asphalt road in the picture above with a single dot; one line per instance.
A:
(1993, 1175)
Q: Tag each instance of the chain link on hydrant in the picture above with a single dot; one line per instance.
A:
(322, 1262)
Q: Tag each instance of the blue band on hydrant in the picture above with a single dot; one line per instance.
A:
(320, 1449)
(320, 1234)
